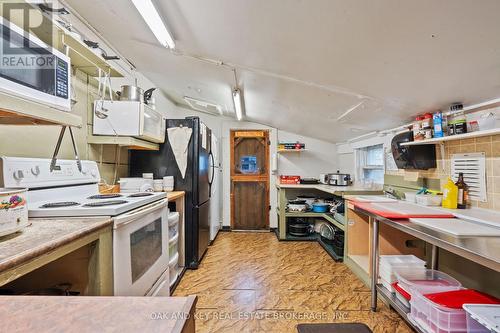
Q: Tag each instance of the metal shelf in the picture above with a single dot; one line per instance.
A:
(400, 308)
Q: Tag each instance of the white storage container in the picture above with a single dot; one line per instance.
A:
(482, 318)
(390, 263)
(173, 218)
(173, 230)
(434, 318)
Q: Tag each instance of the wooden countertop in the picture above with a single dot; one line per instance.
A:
(336, 190)
(45, 235)
(95, 314)
(175, 195)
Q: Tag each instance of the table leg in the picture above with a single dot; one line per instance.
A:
(434, 257)
(374, 277)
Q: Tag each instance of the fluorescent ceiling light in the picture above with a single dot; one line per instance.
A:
(345, 114)
(154, 21)
(238, 105)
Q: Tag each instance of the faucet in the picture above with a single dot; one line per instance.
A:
(391, 193)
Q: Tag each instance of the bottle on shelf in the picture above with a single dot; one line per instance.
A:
(450, 194)
(463, 192)
(417, 129)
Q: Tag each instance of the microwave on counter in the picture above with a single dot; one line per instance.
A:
(33, 70)
(128, 118)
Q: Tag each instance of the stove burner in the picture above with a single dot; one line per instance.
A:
(105, 203)
(138, 195)
(105, 196)
(59, 204)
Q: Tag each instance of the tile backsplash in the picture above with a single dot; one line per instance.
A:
(490, 145)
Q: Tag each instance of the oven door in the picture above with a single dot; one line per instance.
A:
(153, 125)
(140, 249)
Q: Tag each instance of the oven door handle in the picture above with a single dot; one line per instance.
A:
(126, 218)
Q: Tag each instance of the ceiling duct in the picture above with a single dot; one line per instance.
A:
(203, 106)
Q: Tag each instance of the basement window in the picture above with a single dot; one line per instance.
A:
(370, 164)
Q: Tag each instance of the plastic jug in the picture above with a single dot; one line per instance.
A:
(450, 194)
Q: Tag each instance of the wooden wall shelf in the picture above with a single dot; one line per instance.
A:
(19, 111)
(123, 141)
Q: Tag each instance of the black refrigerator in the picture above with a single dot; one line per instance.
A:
(196, 182)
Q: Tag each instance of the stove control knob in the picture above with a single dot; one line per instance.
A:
(93, 173)
(35, 170)
(18, 174)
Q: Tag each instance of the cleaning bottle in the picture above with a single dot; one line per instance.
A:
(450, 194)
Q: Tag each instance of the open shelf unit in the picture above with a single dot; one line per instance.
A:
(329, 217)
(123, 141)
(469, 135)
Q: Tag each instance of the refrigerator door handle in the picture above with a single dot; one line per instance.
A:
(210, 182)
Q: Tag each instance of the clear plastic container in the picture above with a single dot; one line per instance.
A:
(429, 199)
(426, 281)
(401, 260)
(482, 318)
(173, 230)
(431, 317)
(172, 246)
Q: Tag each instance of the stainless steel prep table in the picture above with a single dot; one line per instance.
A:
(482, 250)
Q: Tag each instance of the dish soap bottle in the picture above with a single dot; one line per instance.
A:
(463, 192)
(450, 194)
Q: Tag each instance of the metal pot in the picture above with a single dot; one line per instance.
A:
(297, 206)
(13, 210)
(131, 93)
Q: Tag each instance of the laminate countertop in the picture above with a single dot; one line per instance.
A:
(336, 190)
(175, 195)
(97, 314)
(45, 235)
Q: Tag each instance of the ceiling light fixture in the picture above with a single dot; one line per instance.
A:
(155, 23)
(345, 114)
(238, 103)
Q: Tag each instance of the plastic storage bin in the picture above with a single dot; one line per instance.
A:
(172, 246)
(173, 267)
(442, 312)
(426, 281)
(404, 263)
(482, 318)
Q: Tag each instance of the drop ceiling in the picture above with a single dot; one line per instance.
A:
(303, 63)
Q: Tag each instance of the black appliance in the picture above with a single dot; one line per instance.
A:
(196, 183)
(420, 157)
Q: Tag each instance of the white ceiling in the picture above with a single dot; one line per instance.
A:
(303, 63)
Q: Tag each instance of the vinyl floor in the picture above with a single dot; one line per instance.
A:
(251, 282)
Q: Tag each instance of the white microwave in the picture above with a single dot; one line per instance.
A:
(33, 70)
(128, 118)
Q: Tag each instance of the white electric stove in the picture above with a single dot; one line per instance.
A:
(140, 231)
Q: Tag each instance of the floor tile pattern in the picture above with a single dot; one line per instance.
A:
(251, 282)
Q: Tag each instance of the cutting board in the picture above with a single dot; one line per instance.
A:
(402, 210)
(372, 198)
(458, 227)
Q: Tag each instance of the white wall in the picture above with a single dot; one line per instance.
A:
(319, 157)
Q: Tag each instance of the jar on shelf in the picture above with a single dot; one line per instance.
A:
(417, 129)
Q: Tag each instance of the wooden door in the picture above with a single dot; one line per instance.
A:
(249, 180)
